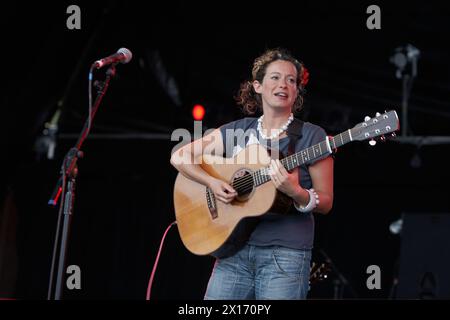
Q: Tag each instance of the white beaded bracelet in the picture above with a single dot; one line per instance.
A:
(312, 204)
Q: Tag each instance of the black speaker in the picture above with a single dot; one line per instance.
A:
(424, 270)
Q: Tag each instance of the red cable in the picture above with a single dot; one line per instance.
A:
(150, 282)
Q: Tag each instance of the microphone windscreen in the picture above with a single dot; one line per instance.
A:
(127, 53)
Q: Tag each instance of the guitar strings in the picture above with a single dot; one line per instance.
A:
(245, 183)
(249, 180)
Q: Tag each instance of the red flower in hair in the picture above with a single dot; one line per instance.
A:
(305, 77)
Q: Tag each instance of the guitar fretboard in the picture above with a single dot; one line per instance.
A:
(305, 156)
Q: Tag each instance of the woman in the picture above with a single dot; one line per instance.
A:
(275, 261)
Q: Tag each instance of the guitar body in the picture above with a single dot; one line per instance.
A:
(207, 226)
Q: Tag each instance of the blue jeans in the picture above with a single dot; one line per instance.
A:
(260, 273)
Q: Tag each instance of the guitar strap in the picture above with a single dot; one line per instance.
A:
(294, 133)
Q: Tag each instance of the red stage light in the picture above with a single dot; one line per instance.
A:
(198, 112)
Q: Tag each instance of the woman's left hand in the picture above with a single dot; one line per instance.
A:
(284, 181)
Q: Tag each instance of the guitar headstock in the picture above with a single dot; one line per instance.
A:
(319, 272)
(380, 125)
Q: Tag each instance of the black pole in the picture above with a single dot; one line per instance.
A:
(67, 220)
(54, 200)
(405, 97)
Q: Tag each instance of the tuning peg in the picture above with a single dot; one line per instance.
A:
(377, 114)
(383, 138)
(372, 142)
(367, 118)
(393, 134)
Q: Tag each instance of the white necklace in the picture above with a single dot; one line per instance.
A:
(277, 131)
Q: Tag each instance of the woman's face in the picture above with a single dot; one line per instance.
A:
(279, 85)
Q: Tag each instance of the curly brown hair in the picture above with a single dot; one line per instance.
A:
(250, 100)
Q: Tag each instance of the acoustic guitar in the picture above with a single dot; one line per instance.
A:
(210, 227)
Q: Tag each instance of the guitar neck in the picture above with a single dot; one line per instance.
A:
(306, 155)
(316, 151)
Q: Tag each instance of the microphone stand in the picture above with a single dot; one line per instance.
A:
(412, 54)
(66, 188)
(406, 80)
(340, 282)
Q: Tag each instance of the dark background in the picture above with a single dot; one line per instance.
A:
(124, 190)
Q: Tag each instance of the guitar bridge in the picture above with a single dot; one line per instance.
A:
(211, 201)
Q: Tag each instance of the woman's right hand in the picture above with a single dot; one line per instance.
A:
(222, 190)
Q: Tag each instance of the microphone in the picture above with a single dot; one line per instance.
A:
(123, 55)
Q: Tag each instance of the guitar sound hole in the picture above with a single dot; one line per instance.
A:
(242, 182)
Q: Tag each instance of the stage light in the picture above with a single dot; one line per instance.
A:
(404, 57)
(198, 112)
